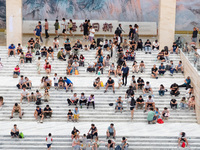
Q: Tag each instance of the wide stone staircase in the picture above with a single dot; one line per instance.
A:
(61, 142)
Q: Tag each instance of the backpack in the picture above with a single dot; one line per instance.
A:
(167, 67)
(21, 135)
(118, 147)
(37, 53)
(38, 102)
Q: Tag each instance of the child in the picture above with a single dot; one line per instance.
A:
(76, 114)
(49, 141)
(21, 58)
(119, 80)
(55, 79)
(70, 116)
(95, 144)
(38, 65)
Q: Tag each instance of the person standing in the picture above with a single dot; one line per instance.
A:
(132, 105)
(70, 26)
(46, 27)
(131, 32)
(194, 34)
(125, 70)
(92, 32)
(85, 30)
(64, 26)
(37, 32)
(39, 24)
(49, 141)
(57, 26)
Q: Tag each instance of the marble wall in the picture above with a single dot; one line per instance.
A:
(187, 15)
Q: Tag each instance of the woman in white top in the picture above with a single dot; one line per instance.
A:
(113, 51)
(155, 45)
(56, 43)
(76, 143)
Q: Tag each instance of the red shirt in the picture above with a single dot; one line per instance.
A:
(48, 67)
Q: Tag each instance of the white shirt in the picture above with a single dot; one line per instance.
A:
(150, 100)
(56, 42)
(64, 23)
(55, 79)
(155, 44)
(92, 34)
(49, 140)
(24, 92)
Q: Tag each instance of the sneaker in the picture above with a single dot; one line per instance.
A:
(113, 91)
(41, 121)
(145, 52)
(11, 117)
(72, 91)
(105, 91)
(144, 111)
(149, 52)
(145, 95)
(66, 90)
(20, 117)
(156, 77)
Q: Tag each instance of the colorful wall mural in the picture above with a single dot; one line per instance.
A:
(188, 11)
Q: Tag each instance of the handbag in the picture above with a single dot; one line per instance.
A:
(102, 84)
(15, 76)
(76, 72)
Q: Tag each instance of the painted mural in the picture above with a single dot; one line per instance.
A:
(188, 11)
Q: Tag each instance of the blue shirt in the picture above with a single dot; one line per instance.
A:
(11, 47)
(37, 32)
(68, 81)
(161, 67)
(101, 59)
(76, 112)
(111, 130)
(125, 70)
(40, 28)
(188, 81)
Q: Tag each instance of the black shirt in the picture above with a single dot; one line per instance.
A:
(45, 109)
(70, 114)
(118, 32)
(75, 132)
(173, 101)
(140, 81)
(149, 44)
(50, 50)
(131, 31)
(174, 86)
(129, 92)
(110, 82)
(194, 34)
(154, 70)
(85, 27)
(93, 129)
(140, 100)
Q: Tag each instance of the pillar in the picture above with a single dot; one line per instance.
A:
(166, 27)
(14, 22)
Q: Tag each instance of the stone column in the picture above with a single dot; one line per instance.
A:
(166, 27)
(14, 21)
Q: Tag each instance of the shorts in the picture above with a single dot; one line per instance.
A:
(70, 29)
(131, 108)
(111, 133)
(55, 84)
(70, 117)
(149, 105)
(85, 33)
(64, 30)
(194, 39)
(118, 108)
(48, 84)
(16, 111)
(48, 145)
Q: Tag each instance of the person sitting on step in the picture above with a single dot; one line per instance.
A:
(16, 109)
(46, 95)
(47, 68)
(191, 102)
(73, 100)
(139, 102)
(111, 144)
(182, 138)
(94, 131)
(147, 88)
(173, 103)
(91, 100)
(24, 94)
(70, 115)
(99, 67)
(47, 111)
(179, 67)
(149, 103)
(16, 70)
(75, 132)
(147, 47)
(14, 132)
(129, 92)
(154, 72)
(68, 83)
(110, 83)
(186, 83)
(28, 57)
(183, 103)
(76, 114)
(140, 83)
(97, 83)
(28, 83)
(111, 131)
(161, 69)
(61, 83)
(39, 112)
(82, 99)
(161, 90)
(151, 117)
(165, 114)
(112, 70)
(21, 82)
(32, 97)
(1, 102)
(174, 89)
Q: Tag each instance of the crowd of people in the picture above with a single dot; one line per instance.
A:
(114, 64)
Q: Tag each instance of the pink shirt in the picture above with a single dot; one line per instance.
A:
(17, 69)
